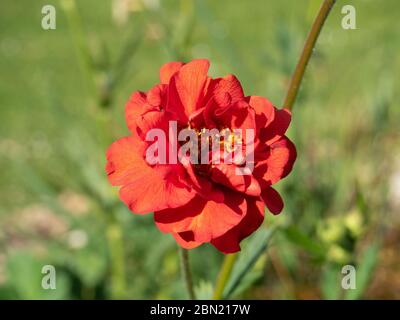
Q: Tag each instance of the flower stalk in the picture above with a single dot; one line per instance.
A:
(309, 45)
(117, 252)
(224, 274)
(186, 273)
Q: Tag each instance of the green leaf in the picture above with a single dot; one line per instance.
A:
(330, 282)
(26, 273)
(241, 276)
(299, 238)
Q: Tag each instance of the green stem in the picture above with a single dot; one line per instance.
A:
(186, 273)
(117, 257)
(224, 274)
(307, 52)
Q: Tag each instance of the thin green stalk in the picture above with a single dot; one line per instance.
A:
(186, 273)
(117, 257)
(224, 274)
(306, 53)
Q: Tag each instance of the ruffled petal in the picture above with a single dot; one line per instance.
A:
(187, 89)
(146, 194)
(144, 188)
(168, 70)
(145, 111)
(134, 108)
(272, 200)
(272, 123)
(230, 241)
(203, 186)
(239, 116)
(228, 85)
(280, 158)
(206, 219)
(221, 112)
(185, 240)
(226, 175)
(157, 96)
(124, 159)
(277, 127)
(265, 110)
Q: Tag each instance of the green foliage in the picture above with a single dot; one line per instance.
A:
(299, 238)
(243, 274)
(26, 271)
(365, 271)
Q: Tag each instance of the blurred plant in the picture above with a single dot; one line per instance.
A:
(101, 75)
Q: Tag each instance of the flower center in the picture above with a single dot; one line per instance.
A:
(211, 146)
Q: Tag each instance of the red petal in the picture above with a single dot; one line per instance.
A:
(272, 123)
(265, 111)
(145, 111)
(272, 200)
(206, 219)
(277, 128)
(239, 116)
(168, 70)
(226, 175)
(125, 158)
(186, 88)
(184, 239)
(203, 186)
(145, 188)
(229, 108)
(157, 95)
(147, 195)
(196, 119)
(229, 242)
(134, 108)
(280, 159)
(231, 85)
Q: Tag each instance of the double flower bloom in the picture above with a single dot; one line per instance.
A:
(196, 193)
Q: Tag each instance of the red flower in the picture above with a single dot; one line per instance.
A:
(200, 203)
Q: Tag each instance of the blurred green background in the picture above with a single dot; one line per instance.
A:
(62, 97)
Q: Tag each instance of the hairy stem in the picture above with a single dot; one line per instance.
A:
(298, 74)
(186, 273)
